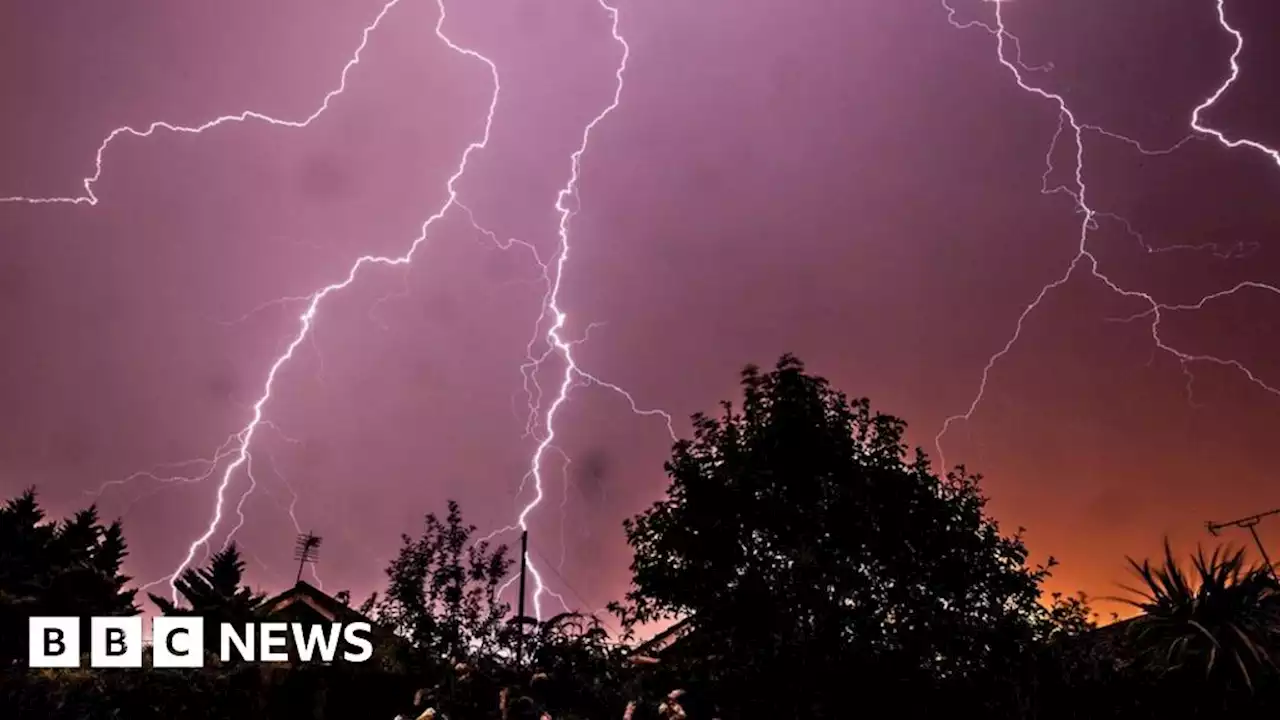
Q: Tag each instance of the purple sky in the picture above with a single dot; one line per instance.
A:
(856, 182)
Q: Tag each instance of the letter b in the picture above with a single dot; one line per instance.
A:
(116, 642)
(53, 642)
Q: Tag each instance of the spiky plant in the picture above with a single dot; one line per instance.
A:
(1221, 618)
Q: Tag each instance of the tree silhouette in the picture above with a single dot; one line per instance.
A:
(215, 592)
(443, 590)
(71, 567)
(805, 545)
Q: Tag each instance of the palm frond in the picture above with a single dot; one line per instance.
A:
(1222, 614)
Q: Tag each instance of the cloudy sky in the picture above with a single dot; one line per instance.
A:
(856, 182)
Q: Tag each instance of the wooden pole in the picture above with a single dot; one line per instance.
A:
(524, 566)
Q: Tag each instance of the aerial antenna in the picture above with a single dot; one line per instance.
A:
(306, 551)
(1250, 523)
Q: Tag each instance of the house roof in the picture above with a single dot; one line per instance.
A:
(305, 594)
(665, 639)
(1114, 633)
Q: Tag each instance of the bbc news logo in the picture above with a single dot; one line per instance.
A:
(179, 642)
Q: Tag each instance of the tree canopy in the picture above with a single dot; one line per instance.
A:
(71, 567)
(797, 531)
(443, 589)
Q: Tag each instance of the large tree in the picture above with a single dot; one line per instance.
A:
(443, 590)
(72, 567)
(805, 544)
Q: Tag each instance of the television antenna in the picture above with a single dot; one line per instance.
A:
(306, 550)
(1250, 523)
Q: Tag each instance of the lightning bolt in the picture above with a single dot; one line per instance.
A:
(1197, 124)
(556, 345)
(236, 450)
(89, 198)
(307, 319)
(169, 475)
(1077, 190)
(236, 447)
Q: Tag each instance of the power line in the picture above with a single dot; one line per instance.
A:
(582, 601)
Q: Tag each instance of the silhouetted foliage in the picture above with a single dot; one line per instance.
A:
(1202, 647)
(443, 590)
(215, 592)
(213, 693)
(1221, 620)
(72, 567)
(578, 672)
(818, 569)
(810, 550)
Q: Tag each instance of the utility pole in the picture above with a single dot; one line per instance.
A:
(524, 566)
(306, 550)
(1251, 524)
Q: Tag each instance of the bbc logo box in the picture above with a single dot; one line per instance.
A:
(179, 642)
